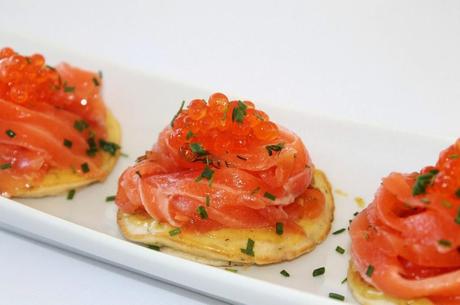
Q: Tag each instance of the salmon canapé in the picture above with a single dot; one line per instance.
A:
(407, 242)
(55, 131)
(224, 165)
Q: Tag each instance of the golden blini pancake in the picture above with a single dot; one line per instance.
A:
(58, 181)
(223, 247)
(366, 294)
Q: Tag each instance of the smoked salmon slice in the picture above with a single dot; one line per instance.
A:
(51, 118)
(407, 242)
(222, 164)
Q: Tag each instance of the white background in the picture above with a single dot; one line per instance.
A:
(390, 63)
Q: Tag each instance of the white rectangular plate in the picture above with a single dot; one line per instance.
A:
(354, 156)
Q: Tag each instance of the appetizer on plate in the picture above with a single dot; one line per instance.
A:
(406, 244)
(225, 185)
(56, 134)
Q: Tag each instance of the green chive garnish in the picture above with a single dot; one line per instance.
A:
(80, 125)
(249, 248)
(96, 82)
(70, 194)
(10, 133)
(338, 231)
(231, 270)
(177, 114)
(285, 273)
(270, 196)
(423, 181)
(279, 228)
(5, 166)
(340, 250)
(174, 232)
(198, 149)
(370, 270)
(454, 156)
(109, 147)
(92, 147)
(110, 198)
(207, 174)
(457, 219)
(189, 135)
(154, 247)
(68, 89)
(85, 167)
(336, 296)
(344, 281)
(202, 212)
(274, 148)
(239, 112)
(445, 243)
(208, 200)
(67, 143)
(457, 193)
(319, 271)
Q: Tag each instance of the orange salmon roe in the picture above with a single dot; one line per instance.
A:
(220, 125)
(26, 79)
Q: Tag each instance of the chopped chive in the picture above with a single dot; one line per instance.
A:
(10, 133)
(189, 135)
(445, 243)
(457, 193)
(80, 125)
(207, 174)
(154, 247)
(254, 191)
(71, 194)
(67, 143)
(285, 273)
(202, 212)
(370, 270)
(92, 147)
(109, 147)
(177, 114)
(340, 250)
(208, 200)
(343, 281)
(242, 158)
(68, 89)
(5, 166)
(174, 232)
(85, 167)
(124, 155)
(274, 148)
(457, 219)
(454, 156)
(423, 181)
(355, 214)
(270, 196)
(279, 228)
(336, 296)
(96, 82)
(338, 231)
(231, 270)
(319, 271)
(249, 248)
(110, 198)
(198, 149)
(239, 112)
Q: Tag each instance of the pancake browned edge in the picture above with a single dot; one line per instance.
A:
(58, 181)
(223, 247)
(366, 294)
